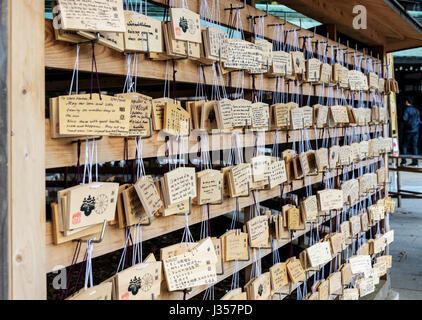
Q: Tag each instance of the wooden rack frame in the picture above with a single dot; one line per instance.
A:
(32, 49)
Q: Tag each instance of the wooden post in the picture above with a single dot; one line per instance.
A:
(26, 97)
(4, 216)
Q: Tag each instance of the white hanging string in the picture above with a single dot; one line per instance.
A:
(88, 270)
(123, 257)
(91, 150)
(75, 75)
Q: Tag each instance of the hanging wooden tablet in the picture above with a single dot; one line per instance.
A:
(260, 116)
(330, 199)
(339, 115)
(344, 81)
(279, 278)
(185, 25)
(319, 253)
(298, 63)
(235, 294)
(209, 186)
(180, 184)
(355, 80)
(309, 209)
(218, 248)
(208, 116)
(355, 225)
(323, 290)
(313, 70)
(91, 204)
(140, 113)
(335, 286)
(158, 111)
(258, 231)
(176, 249)
(102, 291)
(295, 271)
(59, 33)
(143, 33)
(281, 114)
(366, 286)
(235, 245)
(321, 115)
(288, 156)
(297, 168)
(192, 269)
(321, 159)
(148, 195)
(277, 173)
(266, 49)
(216, 44)
(134, 210)
(243, 55)
(261, 287)
(297, 119)
(337, 73)
(350, 294)
(281, 64)
(240, 180)
(360, 264)
(176, 120)
(336, 241)
(387, 259)
(112, 40)
(345, 155)
(333, 157)
(325, 73)
(260, 167)
(224, 114)
(242, 112)
(92, 15)
(82, 116)
(140, 282)
(293, 219)
(346, 274)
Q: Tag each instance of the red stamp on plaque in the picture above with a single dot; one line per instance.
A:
(125, 296)
(178, 31)
(76, 218)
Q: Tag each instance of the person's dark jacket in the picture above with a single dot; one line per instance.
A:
(411, 119)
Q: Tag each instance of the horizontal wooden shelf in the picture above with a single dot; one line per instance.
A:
(114, 238)
(62, 152)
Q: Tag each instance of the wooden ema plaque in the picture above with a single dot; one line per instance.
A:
(295, 271)
(148, 195)
(235, 245)
(140, 282)
(258, 231)
(176, 120)
(140, 113)
(185, 25)
(191, 269)
(92, 15)
(143, 33)
(279, 278)
(79, 115)
(260, 288)
(91, 204)
(102, 291)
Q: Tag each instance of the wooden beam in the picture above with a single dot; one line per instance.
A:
(27, 157)
(4, 154)
(62, 152)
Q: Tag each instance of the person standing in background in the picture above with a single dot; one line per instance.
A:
(411, 122)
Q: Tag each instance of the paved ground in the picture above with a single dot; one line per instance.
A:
(406, 273)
